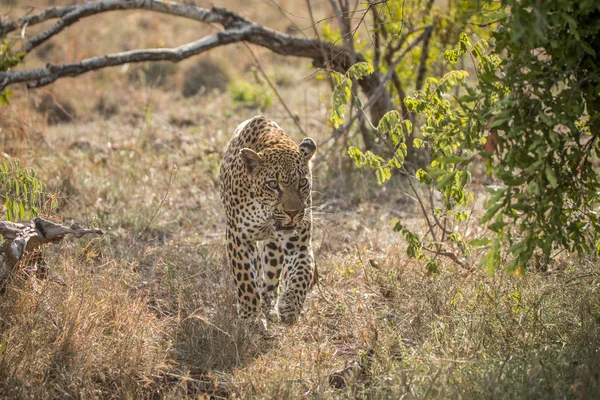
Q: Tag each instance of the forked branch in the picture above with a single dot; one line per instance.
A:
(235, 29)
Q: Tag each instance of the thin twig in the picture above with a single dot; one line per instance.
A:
(316, 32)
(580, 277)
(272, 86)
(448, 254)
(423, 210)
(382, 85)
(423, 61)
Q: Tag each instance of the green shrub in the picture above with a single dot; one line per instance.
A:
(245, 94)
(21, 192)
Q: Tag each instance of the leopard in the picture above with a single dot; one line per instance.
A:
(266, 189)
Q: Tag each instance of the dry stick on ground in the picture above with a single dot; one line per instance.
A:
(21, 239)
(236, 29)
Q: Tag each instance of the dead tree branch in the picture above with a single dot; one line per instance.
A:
(235, 29)
(20, 239)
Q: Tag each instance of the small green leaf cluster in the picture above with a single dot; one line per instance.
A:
(246, 94)
(8, 59)
(415, 247)
(443, 133)
(342, 92)
(23, 193)
(393, 128)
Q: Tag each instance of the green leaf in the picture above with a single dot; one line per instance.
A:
(389, 122)
(551, 177)
(447, 179)
(497, 226)
(454, 159)
(359, 70)
(497, 122)
(492, 258)
(339, 98)
(3, 346)
(480, 242)
(407, 126)
(490, 212)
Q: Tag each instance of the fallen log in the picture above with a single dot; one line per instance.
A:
(18, 239)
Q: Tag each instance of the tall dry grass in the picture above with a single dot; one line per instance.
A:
(147, 311)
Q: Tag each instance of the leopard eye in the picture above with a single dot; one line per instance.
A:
(273, 185)
(303, 182)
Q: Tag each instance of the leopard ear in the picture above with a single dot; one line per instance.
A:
(251, 159)
(308, 147)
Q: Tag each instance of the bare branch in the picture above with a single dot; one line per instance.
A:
(50, 73)
(272, 86)
(380, 90)
(423, 60)
(236, 29)
(76, 12)
(448, 254)
(318, 36)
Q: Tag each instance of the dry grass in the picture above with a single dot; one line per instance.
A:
(124, 315)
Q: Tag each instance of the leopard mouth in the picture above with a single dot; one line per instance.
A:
(287, 227)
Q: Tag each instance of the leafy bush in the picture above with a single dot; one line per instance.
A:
(245, 94)
(533, 117)
(22, 192)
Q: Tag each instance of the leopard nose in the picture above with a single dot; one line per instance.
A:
(292, 213)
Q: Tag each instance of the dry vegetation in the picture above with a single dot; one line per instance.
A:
(147, 309)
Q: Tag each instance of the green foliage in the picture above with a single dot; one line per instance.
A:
(531, 122)
(22, 192)
(444, 134)
(430, 31)
(248, 95)
(390, 126)
(7, 61)
(548, 122)
(415, 247)
(532, 116)
(342, 92)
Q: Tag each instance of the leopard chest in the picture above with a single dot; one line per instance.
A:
(249, 219)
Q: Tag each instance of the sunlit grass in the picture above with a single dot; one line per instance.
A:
(152, 299)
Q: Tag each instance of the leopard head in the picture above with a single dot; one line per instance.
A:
(281, 179)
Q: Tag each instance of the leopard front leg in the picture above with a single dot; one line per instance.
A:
(242, 256)
(272, 264)
(298, 272)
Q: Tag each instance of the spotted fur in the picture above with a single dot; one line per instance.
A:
(266, 191)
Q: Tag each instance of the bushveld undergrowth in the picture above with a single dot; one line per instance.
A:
(147, 310)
